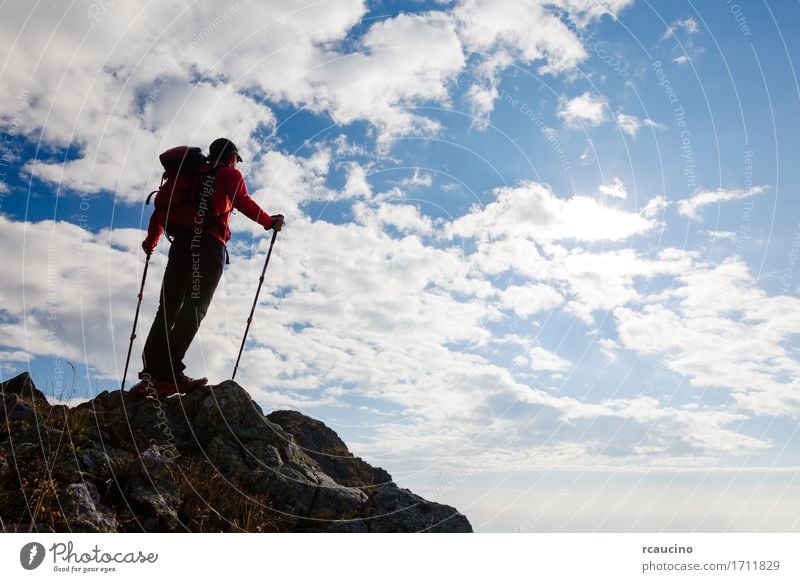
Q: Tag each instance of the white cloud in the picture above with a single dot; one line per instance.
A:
(604, 281)
(418, 179)
(532, 211)
(688, 25)
(356, 185)
(505, 32)
(691, 207)
(722, 331)
(583, 10)
(404, 217)
(654, 124)
(542, 359)
(720, 234)
(143, 98)
(608, 347)
(655, 206)
(685, 48)
(122, 155)
(630, 124)
(523, 29)
(393, 69)
(615, 190)
(526, 300)
(584, 109)
(700, 430)
(70, 294)
(282, 183)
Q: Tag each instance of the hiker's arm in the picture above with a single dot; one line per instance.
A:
(154, 230)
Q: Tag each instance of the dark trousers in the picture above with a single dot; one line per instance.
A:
(193, 271)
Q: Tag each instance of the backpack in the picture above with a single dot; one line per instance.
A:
(185, 171)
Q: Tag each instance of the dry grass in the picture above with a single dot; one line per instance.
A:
(210, 503)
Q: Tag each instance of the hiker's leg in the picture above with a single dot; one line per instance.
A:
(205, 273)
(155, 355)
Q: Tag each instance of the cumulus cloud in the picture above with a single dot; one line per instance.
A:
(356, 86)
(282, 183)
(418, 179)
(722, 332)
(629, 124)
(688, 25)
(692, 207)
(542, 359)
(216, 71)
(198, 79)
(525, 30)
(531, 210)
(356, 185)
(720, 234)
(655, 206)
(526, 300)
(505, 32)
(585, 109)
(359, 305)
(654, 124)
(122, 155)
(616, 189)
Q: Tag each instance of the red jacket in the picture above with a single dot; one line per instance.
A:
(229, 192)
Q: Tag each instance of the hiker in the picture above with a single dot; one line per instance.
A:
(199, 234)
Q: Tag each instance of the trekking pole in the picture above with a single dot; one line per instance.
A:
(252, 309)
(135, 320)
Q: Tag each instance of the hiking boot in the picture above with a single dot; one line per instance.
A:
(163, 388)
(185, 385)
(153, 388)
(144, 389)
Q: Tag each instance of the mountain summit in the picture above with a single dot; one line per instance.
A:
(205, 461)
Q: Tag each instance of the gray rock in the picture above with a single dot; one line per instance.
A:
(392, 509)
(83, 511)
(22, 385)
(151, 489)
(226, 457)
(289, 489)
(260, 455)
(18, 411)
(98, 462)
(36, 442)
(295, 464)
(329, 452)
(333, 501)
(227, 410)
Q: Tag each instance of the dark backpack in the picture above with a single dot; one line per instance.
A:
(185, 169)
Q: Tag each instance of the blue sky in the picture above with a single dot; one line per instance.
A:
(541, 259)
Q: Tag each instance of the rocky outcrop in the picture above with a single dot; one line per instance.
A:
(205, 461)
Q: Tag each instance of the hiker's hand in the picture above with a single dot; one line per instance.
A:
(277, 222)
(148, 247)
